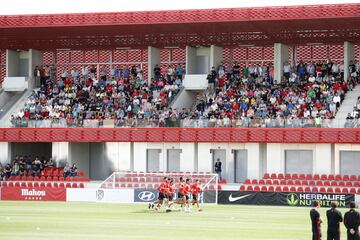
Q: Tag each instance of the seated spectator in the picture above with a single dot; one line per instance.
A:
(73, 170)
(51, 163)
(67, 170)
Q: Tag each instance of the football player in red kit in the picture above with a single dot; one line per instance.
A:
(187, 190)
(195, 191)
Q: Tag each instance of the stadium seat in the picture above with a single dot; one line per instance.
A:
(74, 185)
(68, 185)
(261, 182)
(56, 185)
(353, 178)
(42, 178)
(80, 173)
(242, 188)
(62, 185)
(300, 189)
(352, 191)
(48, 184)
(271, 189)
(322, 190)
(55, 179)
(280, 176)
(289, 182)
(23, 184)
(311, 183)
(36, 178)
(283, 182)
(331, 177)
(249, 188)
(297, 182)
(302, 176)
(87, 179)
(219, 187)
(337, 190)
(316, 177)
(275, 182)
(61, 179)
(315, 189)
(356, 184)
(263, 188)
(135, 179)
(345, 190)
(346, 178)
(42, 184)
(149, 186)
(268, 182)
(23, 178)
(329, 190)
(341, 184)
(358, 191)
(307, 189)
(273, 176)
(285, 189)
(36, 184)
(30, 178)
(319, 183)
(129, 185)
(254, 181)
(257, 189)
(294, 176)
(17, 184)
(348, 184)
(293, 189)
(266, 175)
(67, 179)
(49, 178)
(309, 177)
(278, 189)
(358, 178)
(338, 177)
(143, 185)
(10, 184)
(136, 185)
(334, 184)
(287, 176)
(81, 185)
(304, 182)
(123, 185)
(326, 183)
(17, 178)
(323, 177)
(11, 178)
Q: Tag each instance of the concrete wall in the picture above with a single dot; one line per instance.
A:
(12, 63)
(185, 99)
(33, 149)
(5, 153)
(215, 56)
(80, 155)
(190, 59)
(60, 153)
(153, 59)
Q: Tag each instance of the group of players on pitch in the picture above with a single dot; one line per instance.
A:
(188, 194)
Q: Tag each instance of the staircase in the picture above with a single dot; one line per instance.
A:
(346, 107)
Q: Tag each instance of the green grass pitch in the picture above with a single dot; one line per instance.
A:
(44, 220)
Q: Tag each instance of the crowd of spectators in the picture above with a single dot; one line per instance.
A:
(25, 166)
(120, 95)
(308, 95)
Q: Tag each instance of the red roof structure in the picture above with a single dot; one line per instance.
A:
(259, 26)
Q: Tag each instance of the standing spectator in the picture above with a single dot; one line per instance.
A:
(316, 221)
(37, 75)
(84, 73)
(218, 168)
(51, 163)
(287, 68)
(334, 218)
(179, 72)
(74, 74)
(53, 73)
(64, 75)
(352, 222)
(7, 171)
(93, 72)
(157, 72)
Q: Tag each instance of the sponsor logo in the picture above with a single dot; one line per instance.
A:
(146, 196)
(99, 194)
(292, 199)
(233, 199)
(32, 192)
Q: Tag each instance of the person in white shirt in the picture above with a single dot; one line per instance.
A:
(335, 69)
(336, 100)
(84, 72)
(312, 78)
(287, 69)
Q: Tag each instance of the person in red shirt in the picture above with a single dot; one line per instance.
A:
(170, 194)
(181, 194)
(162, 196)
(187, 190)
(195, 191)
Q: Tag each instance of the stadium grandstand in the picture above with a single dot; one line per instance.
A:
(261, 103)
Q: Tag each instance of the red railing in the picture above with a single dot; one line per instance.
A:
(183, 16)
(235, 135)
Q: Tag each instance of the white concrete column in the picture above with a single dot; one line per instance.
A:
(5, 153)
(190, 59)
(216, 56)
(348, 57)
(153, 59)
(281, 55)
(60, 153)
(12, 63)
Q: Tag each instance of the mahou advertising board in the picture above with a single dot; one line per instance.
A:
(33, 194)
